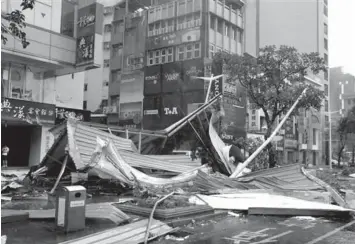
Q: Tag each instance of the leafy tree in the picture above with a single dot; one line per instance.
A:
(274, 80)
(13, 23)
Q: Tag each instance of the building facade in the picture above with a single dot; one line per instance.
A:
(39, 87)
(303, 25)
(157, 52)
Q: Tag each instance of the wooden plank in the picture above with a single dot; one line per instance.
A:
(296, 212)
(131, 233)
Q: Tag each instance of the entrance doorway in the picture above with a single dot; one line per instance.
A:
(18, 139)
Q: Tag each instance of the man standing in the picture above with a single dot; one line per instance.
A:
(4, 152)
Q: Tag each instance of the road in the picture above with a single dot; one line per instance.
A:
(259, 229)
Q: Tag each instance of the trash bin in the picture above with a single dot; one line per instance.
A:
(70, 208)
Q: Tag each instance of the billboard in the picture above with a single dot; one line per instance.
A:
(171, 109)
(64, 113)
(27, 111)
(172, 77)
(152, 80)
(131, 88)
(173, 39)
(152, 113)
(89, 24)
(191, 70)
(130, 115)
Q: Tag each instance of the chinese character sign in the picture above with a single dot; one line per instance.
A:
(27, 111)
(65, 113)
(85, 50)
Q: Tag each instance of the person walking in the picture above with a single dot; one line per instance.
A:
(4, 152)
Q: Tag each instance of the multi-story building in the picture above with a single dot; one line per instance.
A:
(303, 25)
(180, 39)
(39, 83)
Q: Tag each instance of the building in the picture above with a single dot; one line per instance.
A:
(40, 84)
(303, 25)
(159, 50)
(341, 99)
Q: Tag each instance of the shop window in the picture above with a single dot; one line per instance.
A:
(106, 63)
(107, 28)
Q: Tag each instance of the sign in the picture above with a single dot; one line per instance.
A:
(171, 109)
(289, 127)
(87, 23)
(130, 124)
(27, 111)
(133, 62)
(131, 88)
(80, 203)
(152, 113)
(64, 113)
(171, 77)
(290, 144)
(172, 39)
(191, 70)
(109, 110)
(152, 80)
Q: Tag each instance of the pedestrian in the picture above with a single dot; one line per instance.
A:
(4, 153)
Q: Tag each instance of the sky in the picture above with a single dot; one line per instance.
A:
(341, 23)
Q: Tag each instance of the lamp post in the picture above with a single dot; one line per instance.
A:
(330, 136)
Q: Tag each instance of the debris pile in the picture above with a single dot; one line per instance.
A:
(103, 162)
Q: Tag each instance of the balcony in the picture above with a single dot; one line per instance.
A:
(49, 49)
(240, 3)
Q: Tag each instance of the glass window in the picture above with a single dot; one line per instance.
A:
(151, 27)
(181, 52)
(325, 10)
(108, 28)
(189, 51)
(326, 89)
(85, 87)
(220, 26)
(226, 30)
(106, 63)
(197, 50)
(170, 54)
(163, 56)
(213, 23)
(326, 59)
(157, 57)
(212, 50)
(85, 103)
(314, 136)
(240, 39)
(326, 104)
(326, 76)
(325, 43)
(326, 29)
(234, 33)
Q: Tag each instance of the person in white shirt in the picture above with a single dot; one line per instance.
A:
(4, 153)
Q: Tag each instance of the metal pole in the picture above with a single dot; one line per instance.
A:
(209, 89)
(330, 137)
(253, 156)
(140, 142)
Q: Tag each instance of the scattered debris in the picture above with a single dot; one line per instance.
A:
(233, 214)
(174, 238)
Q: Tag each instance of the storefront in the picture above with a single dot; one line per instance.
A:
(24, 127)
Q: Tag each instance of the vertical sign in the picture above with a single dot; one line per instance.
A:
(86, 35)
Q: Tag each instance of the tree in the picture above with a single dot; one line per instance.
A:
(346, 126)
(274, 80)
(12, 23)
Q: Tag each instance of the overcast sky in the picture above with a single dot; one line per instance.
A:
(342, 34)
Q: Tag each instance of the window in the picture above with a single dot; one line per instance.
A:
(326, 118)
(212, 51)
(106, 45)
(181, 7)
(108, 28)
(234, 33)
(116, 27)
(326, 59)
(326, 105)
(197, 53)
(108, 10)
(85, 103)
(189, 51)
(85, 87)
(170, 55)
(114, 76)
(157, 57)
(326, 89)
(116, 50)
(114, 100)
(326, 75)
(325, 29)
(160, 56)
(189, 6)
(314, 136)
(104, 103)
(325, 10)
(226, 30)
(213, 23)
(181, 52)
(106, 63)
(220, 26)
(325, 43)
(240, 38)
(150, 58)
(163, 56)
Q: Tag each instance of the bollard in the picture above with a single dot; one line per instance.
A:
(70, 208)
